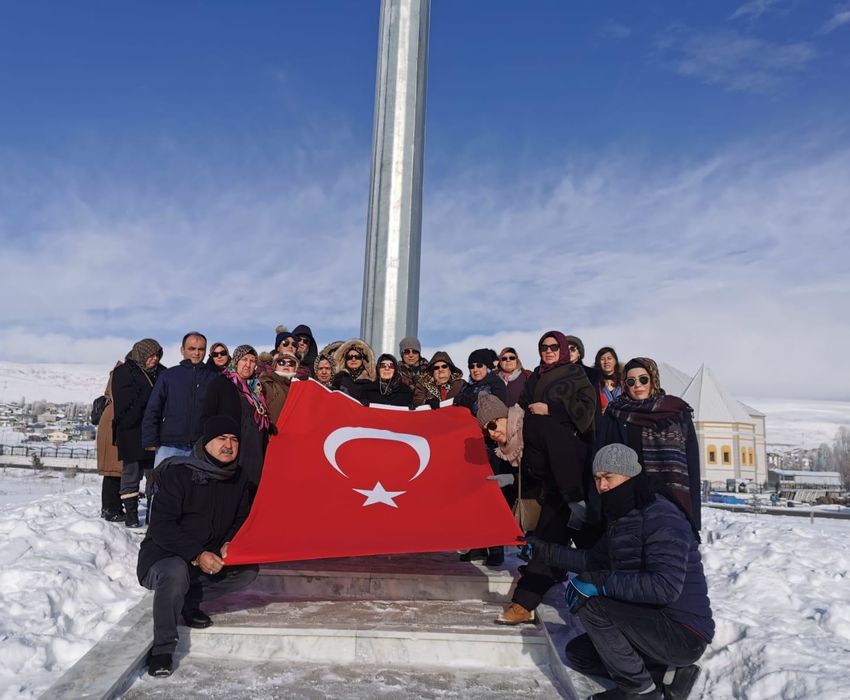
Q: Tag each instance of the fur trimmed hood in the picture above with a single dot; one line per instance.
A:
(368, 358)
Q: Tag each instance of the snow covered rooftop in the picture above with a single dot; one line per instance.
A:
(712, 402)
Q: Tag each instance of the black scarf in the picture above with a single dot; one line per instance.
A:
(633, 494)
(208, 466)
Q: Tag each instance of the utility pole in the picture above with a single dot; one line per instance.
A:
(390, 308)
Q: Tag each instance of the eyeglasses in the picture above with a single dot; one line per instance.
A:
(386, 365)
(572, 348)
(354, 356)
(492, 425)
(477, 365)
(551, 347)
(219, 353)
(507, 358)
(440, 366)
(303, 339)
(286, 363)
(643, 379)
(288, 343)
(409, 351)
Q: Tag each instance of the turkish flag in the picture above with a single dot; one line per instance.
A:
(341, 479)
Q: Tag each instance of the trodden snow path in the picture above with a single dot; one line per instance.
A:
(780, 591)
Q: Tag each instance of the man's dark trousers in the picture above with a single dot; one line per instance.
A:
(177, 584)
(631, 644)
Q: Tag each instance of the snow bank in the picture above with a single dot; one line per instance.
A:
(780, 591)
(66, 577)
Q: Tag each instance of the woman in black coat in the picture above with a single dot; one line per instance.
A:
(389, 388)
(132, 383)
(660, 428)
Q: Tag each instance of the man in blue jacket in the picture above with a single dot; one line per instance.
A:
(172, 421)
(641, 593)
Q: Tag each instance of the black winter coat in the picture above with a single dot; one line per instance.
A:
(131, 389)
(491, 384)
(175, 408)
(651, 557)
(191, 514)
(396, 394)
(356, 388)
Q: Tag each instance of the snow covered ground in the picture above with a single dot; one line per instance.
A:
(780, 590)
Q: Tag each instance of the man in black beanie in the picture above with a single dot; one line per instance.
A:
(199, 503)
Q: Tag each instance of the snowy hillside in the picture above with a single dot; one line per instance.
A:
(57, 383)
(802, 422)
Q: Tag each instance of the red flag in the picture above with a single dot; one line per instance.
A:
(341, 480)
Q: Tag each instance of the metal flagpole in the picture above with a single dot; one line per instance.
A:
(390, 308)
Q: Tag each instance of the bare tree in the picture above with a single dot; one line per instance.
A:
(841, 453)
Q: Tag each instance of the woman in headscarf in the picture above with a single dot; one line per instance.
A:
(482, 379)
(132, 383)
(389, 388)
(512, 374)
(660, 428)
(610, 382)
(324, 367)
(275, 384)
(237, 393)
(219, 358)
(442, 381)
(560, 404)
(355, 362)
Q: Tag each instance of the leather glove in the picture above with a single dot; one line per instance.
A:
(578, 515)
(583, 587)
(433, 403)
(502, 479)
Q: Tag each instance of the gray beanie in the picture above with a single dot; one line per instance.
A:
(490, 408)
(617, 459)
(409, 344)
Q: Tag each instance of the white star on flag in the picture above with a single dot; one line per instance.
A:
(379, 494)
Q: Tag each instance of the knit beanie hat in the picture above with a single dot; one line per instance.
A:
(575, 340)
(616, 459)
(221, 425)
(482, 356)
(490, 408)
(241, 352)
(281, 335)
(143, 350)
(409, 344)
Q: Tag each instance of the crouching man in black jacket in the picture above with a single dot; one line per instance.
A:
(641, 592)
(199, 502)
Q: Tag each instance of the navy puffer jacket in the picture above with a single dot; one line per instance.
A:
(652, 557)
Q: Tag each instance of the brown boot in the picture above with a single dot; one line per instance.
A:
(515, 614)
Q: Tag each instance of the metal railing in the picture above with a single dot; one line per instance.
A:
(42, 451)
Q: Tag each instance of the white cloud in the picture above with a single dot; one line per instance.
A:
(734, 61)
(840, 17)
(753, 9)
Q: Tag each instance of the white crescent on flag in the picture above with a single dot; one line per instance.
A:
(340, 436)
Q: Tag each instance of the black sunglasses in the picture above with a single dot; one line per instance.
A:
(289, 342)
(551, 347)
(354, 356)
(286, 363)
(477, 365)
(219, 353)
(409, 351)
(507, 358)
(386, 365)
(643, 379)
(441, 366)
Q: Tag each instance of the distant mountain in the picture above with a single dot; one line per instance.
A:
(52, 382)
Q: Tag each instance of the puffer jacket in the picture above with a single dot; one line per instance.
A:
(651, 557)
(490, 384)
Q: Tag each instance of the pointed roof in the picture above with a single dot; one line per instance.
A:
(674, 381)
(712, 402)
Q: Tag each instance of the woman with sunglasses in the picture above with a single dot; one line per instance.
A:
(442, 381)
(389, 388)
(481, 380)
(660, 428)
(219, 357)
(355, 362)
(275, 384)
(560, 405)
(512, 374)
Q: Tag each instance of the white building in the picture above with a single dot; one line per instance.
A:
(731, 435)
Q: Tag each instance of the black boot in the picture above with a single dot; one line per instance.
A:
(473, 555)
(111, 508)
(495, 556)
(131, 508)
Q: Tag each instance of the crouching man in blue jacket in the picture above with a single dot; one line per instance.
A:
(640, 591)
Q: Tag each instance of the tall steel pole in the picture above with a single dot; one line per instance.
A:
(391, 281)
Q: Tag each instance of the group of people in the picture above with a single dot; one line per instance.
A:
(600, 465)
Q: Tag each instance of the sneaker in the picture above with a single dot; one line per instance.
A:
(197, 619)
(516, 614)
(159, 665)
(684, 679)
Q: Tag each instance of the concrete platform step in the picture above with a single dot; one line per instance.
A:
(430, 576)
(239, 680)
(461, 633)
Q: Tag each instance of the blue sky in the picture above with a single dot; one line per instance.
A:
(670, 179)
